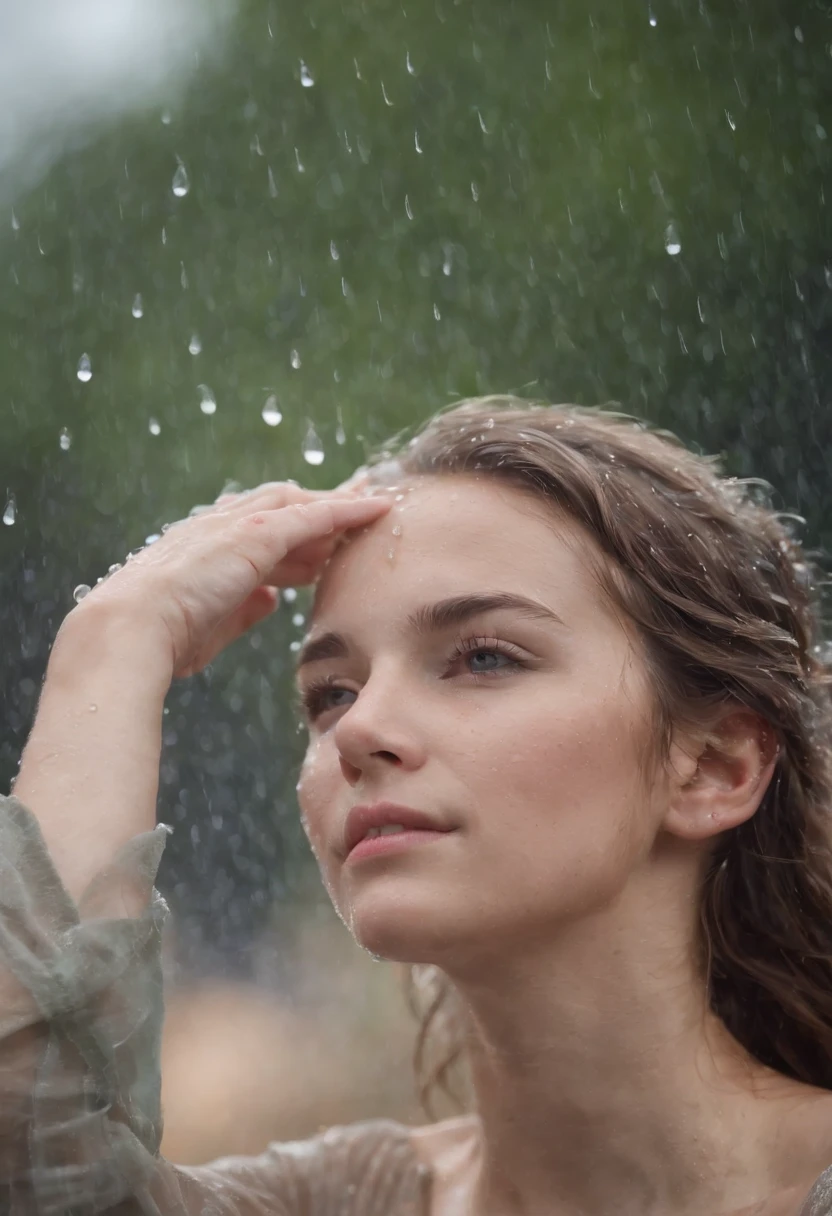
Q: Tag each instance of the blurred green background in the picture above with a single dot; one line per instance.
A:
(258, 246)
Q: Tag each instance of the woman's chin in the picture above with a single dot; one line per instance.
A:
(397, 932)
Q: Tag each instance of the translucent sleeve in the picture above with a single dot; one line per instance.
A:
(81, 1013)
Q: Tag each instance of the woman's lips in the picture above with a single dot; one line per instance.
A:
(396, 842)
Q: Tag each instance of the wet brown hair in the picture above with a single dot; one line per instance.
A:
(727, 605)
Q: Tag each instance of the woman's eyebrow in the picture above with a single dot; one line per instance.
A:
(432, 618)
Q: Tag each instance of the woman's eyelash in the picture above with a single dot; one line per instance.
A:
(315, 697)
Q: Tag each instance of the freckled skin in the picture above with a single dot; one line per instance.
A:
(537, 765)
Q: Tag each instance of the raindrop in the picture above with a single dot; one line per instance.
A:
(313, 451)
(407, 207)
(340, 433)
(10, 513)
(84, 372)
(437, 313)
(289, 594)
(254, 146)
(671, 240)
(272, 185)
(294, 359)
(208, 404)
(333, 251)
(306, 77)
(80, 591)
(384, 94)
(271, 415)
(181, 183)
(475, 192)
(419, 147)
(294, 646)
(183, 276)
(298, 619)
(410, 66)
(166, 118)
(798, 33)
(653, 20)
(447, 265)
(65, 440)
(827, 274)
(138, 305)
(15, 223)
(154, 427)
(483, 127)
(195, 344)
(299, 163)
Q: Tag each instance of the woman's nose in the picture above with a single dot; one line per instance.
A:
(379, 729)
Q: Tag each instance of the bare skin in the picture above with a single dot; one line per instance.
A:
(563, 906)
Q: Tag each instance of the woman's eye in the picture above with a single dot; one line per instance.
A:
(488, 658)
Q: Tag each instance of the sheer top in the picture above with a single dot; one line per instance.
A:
(81, 1015)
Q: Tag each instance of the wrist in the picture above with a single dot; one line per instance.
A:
(100, 634)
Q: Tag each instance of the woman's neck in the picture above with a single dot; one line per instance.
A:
(603, 1083)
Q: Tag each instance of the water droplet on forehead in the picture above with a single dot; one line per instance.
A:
(181, 183)
(84, 372)
(397, 529)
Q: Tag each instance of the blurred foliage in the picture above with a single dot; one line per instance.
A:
(388, 207)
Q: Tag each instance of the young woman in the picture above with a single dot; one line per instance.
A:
(568, 755)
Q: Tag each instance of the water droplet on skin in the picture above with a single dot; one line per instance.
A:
(397, 529)
(195, 344)
(154, 427)
(65, 440)
(298, 619)
(271, 415)
(208, 403)
(181, 183)
(399, 498)
(93, 709)
(115, 566)
(10, 513)
(306, 77)
(138, 306)
(671, 241)
(154, 536)
(313, 449)
(294, 359)
(80, 591)
(84, 372)
(289, 594)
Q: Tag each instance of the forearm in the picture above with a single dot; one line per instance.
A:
(90, 769)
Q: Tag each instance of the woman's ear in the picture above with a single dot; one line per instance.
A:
(722, 779)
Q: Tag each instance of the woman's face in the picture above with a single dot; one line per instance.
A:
(520, 727)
